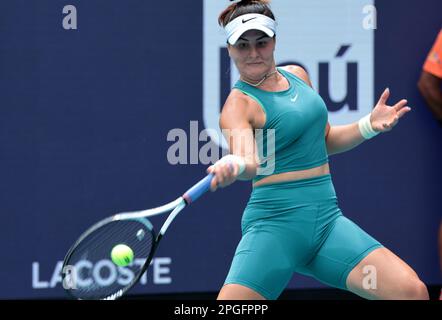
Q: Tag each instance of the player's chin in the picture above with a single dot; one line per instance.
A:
(256, 68)
(257, 71)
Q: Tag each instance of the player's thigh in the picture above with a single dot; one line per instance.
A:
(238, 292)
(264, 260)
(340, 248)
(383, 275)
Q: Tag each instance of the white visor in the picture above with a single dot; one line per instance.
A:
(250, 21)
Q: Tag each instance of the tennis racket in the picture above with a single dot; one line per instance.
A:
(88, 271)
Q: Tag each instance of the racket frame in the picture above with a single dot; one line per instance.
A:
(175, 207)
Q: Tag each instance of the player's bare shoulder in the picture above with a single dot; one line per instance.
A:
(299, 72)
(238, 110)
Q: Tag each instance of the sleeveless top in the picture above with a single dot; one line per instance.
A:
(293, 136)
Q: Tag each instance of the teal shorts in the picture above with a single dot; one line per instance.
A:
(296, 227)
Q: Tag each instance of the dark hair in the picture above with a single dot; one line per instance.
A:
(243, 7)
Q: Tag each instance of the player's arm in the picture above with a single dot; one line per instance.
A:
(382, 118)
(236, 125)
(342, 138)
(346, 137)
(430, 87)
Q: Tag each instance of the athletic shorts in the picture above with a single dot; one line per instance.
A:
(296, 226)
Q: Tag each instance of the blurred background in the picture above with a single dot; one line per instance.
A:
(90, 92)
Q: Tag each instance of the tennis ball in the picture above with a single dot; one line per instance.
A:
(122, 255)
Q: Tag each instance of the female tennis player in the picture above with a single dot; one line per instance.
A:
(292, 222)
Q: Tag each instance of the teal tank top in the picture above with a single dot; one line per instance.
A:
(293, 136)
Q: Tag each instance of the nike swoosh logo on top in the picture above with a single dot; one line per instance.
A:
(294, 98)
(244, 21)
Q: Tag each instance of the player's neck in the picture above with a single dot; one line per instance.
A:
(270, 76)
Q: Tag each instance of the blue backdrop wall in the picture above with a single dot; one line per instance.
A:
(84, 119)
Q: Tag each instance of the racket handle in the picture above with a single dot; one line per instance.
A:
(198, 189)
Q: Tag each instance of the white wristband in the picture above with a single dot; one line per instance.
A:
(235, 159)
(365, 127)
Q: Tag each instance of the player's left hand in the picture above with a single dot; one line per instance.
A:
(384, 117)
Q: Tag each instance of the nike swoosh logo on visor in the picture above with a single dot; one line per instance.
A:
(244, 21)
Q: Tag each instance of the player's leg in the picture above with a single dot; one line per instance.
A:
(278, 229)
(383, 275)
(350, 259)
(260, 268)
(238, 292)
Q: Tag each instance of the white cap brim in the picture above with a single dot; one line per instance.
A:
(246, 22)
(246, 27)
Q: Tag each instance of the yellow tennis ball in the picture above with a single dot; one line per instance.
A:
(122, 255)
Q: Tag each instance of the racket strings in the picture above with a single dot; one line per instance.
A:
(96, 276)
